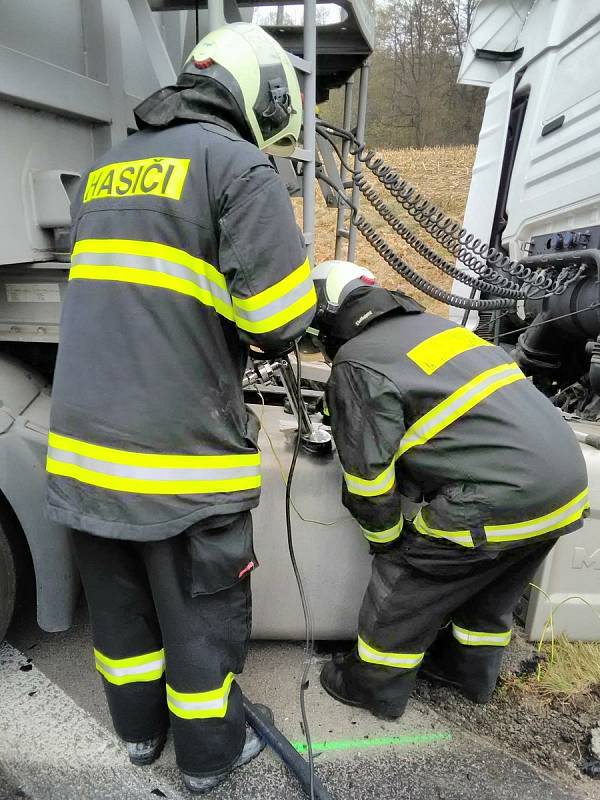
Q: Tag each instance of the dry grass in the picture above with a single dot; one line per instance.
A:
(442, 174)
(574, 671)
(568, 672)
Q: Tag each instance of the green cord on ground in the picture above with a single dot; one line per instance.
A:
(404, 740)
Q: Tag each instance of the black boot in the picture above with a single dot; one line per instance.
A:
(201, 784)
(146, 752)
(332, 680)
(435, 672)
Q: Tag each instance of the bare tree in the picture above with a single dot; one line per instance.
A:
(414, 98)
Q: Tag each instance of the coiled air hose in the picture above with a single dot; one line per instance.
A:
(505, 287)
(387, 252)
(495, 273)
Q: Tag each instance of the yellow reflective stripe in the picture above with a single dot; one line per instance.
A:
(436, 351)
(150, 459)
(383, 537)
(274, 292)
(200, 705)
(136, 669)
(144, 486)
(385, 659)
(441, 416)
(458, 404)
(463, 538)
(381, 484)
(151, 473)
(559, 518)
(429, 425)
(133, 247)
(281, 318)
(145, 277)
(133, 661)
(481, 638)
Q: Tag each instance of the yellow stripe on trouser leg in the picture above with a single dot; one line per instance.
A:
(480, 638)
(200, 705)
(136, 669)
(384, 659)
(383, 537)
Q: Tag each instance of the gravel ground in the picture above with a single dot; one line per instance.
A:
(554, 735)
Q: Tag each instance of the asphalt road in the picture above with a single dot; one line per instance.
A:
(56, 741)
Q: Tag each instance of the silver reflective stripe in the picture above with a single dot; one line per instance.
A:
(202, 705)
(275, 306)
(143, 668)
(401, 660)
(539, 525)
(138, 669)
(379, 485)
(479, 638)
(449, 411)
(152, 473)
(154, 265)
(384, 536)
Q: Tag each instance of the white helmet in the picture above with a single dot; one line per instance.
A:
(256, 71)
(334, 281)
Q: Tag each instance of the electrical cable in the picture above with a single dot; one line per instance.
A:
(337, 149)
(309, 644)
(265, 430)
(548, 321)
(507, 288)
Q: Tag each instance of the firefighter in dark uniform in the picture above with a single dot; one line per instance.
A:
(185, 252)
(423, 407)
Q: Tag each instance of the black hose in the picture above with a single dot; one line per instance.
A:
(309, 644)
(286, 752)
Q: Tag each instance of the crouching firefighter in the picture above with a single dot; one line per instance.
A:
(185, 251)
(422, 406)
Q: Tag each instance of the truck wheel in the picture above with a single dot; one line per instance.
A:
(8, 583)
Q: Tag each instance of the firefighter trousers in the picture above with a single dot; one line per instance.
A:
(171, 623)
(432, 595)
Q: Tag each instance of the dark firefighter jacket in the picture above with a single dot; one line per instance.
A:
(185, 251)
(423, 407)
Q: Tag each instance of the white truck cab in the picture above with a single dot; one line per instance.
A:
(535, 196)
